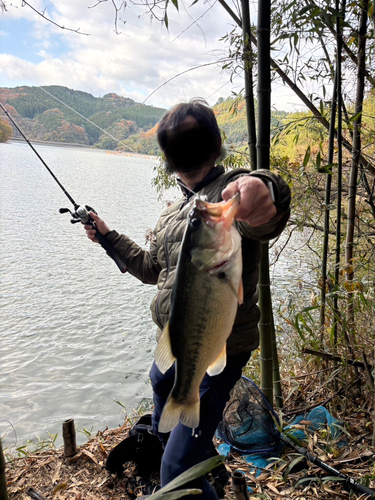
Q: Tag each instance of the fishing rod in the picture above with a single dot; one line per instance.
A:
(348, 482)
(80, 213)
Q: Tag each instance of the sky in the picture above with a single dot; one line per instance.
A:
(145, 61)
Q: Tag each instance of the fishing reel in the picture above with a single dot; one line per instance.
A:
(82, 214)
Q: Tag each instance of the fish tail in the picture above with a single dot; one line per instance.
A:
(175, 412)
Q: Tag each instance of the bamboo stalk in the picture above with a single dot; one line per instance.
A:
(276, 377)
(249, 87)
(3, 481)
(264, 84)
(369, 167)
(373, 434)
(266, 323)
(327, 203)
(355, 158)
(265, 326)
(69, 437)
(239, 485)
(339, 165)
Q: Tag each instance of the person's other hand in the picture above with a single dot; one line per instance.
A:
(256, 203)
(101, 226)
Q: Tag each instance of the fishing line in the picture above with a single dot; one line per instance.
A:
(82, 116)
(194, 21)
(79, 114)
(14, 430)
(182, 73)
(87, 119)
(40, 158)
(81, 213)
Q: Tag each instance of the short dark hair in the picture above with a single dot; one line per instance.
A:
(192, 147)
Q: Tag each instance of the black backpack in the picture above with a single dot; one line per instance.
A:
(142, 447)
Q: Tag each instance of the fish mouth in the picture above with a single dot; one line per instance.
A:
(223, 211)
(220, 266)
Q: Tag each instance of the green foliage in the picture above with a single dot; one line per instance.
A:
(31, 447)
(231, 117)
(162, 181)
(71, 115)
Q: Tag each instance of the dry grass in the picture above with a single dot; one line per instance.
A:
(84, 477)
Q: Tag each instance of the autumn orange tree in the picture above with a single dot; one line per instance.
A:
(5, 131)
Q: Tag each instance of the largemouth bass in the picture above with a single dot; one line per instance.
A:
(204, 300)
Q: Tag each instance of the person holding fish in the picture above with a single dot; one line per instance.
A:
(204, 258)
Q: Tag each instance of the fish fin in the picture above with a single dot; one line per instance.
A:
(219, 364)
(240, 293)
(163, 354)
(174, 412)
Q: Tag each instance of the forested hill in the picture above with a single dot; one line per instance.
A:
(53, 114)
(63, 118)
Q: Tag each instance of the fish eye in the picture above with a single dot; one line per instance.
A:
(196, 222)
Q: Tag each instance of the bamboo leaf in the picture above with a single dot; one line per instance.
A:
(326, 169)
(299, 330)
(327, 479)
(305, 9)
(318, 161)
(292, 465)
(194, 472)
(175, 3)
(173, 495)
(166, 20)
(355, 117)
(306, 157)
(335, 12)
(305, 480)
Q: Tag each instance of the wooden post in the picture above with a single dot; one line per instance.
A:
(3, 481)
(239, 485)
(69, 436)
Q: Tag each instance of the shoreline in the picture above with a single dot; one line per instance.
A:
(70, 145)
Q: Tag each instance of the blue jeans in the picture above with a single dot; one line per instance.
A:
(182, 449)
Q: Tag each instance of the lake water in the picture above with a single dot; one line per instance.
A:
(76, 335)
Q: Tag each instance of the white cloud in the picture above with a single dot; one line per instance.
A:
(133, 64)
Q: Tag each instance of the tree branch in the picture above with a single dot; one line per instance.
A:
(42, 14)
